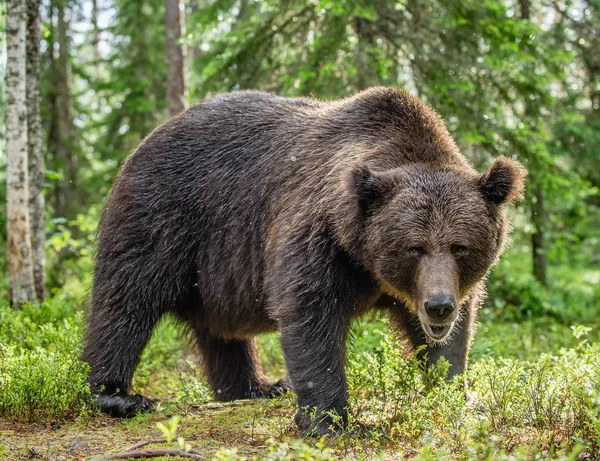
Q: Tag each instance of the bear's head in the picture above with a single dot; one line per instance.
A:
(430, 236)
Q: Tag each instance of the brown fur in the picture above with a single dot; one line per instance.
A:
(250, 213)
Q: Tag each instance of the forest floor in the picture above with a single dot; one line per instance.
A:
(533, 394)
(246, 425)
(520, 409)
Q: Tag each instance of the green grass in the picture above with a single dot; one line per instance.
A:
(533, 389)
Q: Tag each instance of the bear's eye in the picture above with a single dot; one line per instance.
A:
(459, 251)
(417, 251)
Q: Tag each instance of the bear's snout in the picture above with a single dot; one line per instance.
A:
(438, 315)
(440, 308)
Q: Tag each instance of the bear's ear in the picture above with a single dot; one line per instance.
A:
(504, 182)
(371, 188)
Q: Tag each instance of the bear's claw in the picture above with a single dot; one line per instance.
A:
(277, 389)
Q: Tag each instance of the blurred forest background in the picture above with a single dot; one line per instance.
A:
(515, 78)
(519, 78)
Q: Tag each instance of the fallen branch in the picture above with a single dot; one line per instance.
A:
(143, 443)
(194, 454)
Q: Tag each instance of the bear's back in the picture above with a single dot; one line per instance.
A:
(208, 189)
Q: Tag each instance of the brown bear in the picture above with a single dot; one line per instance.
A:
(251, 212)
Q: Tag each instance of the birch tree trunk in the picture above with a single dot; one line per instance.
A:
(175, 80)
(35, 151)
(20, 265)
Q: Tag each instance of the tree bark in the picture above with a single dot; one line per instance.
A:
(175, 79)
(538, 215)
(20, 264)
(60, 142)
(35, 151)
(364, 72)
(538, 243)
(525, 9)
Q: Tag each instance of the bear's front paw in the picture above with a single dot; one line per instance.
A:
(123, 405)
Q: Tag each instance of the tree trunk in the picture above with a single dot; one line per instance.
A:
(51, 93)
(175, 80)
(60, 142)
(538, 215)
(20, 265)
(525, 9)
(95, 31)
(35, 152)
(538, 243)
(363, 63)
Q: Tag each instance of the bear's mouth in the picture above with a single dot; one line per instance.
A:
(437, 332)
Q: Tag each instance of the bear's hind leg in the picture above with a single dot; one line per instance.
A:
(234, 371)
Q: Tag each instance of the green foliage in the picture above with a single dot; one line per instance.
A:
(271, 355)
(502, 78)
(531, 404)
(69, 250)
(514, 294)
(525, 87)
(193, 388)
(41, 374)
(283, 451)
(163, 356)
(132, 89)
(169, 430)
(554, 400)
(40, 384)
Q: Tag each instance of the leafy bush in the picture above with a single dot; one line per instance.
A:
(40, 384)
(193, 388)
(283, 451)
(550, 405)
(69, 250)
(41, 374)
(515, 295)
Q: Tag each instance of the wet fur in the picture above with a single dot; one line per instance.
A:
(250, 213)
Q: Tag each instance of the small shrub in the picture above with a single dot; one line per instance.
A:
(514, 295)
(545, 407)
(283, 451)
(40, 384)
(41, 374)
(193, 389)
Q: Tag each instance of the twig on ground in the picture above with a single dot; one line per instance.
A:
(144, 443)
(148, 442)
(194, 454)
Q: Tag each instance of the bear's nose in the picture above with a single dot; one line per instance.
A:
(440, 307)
